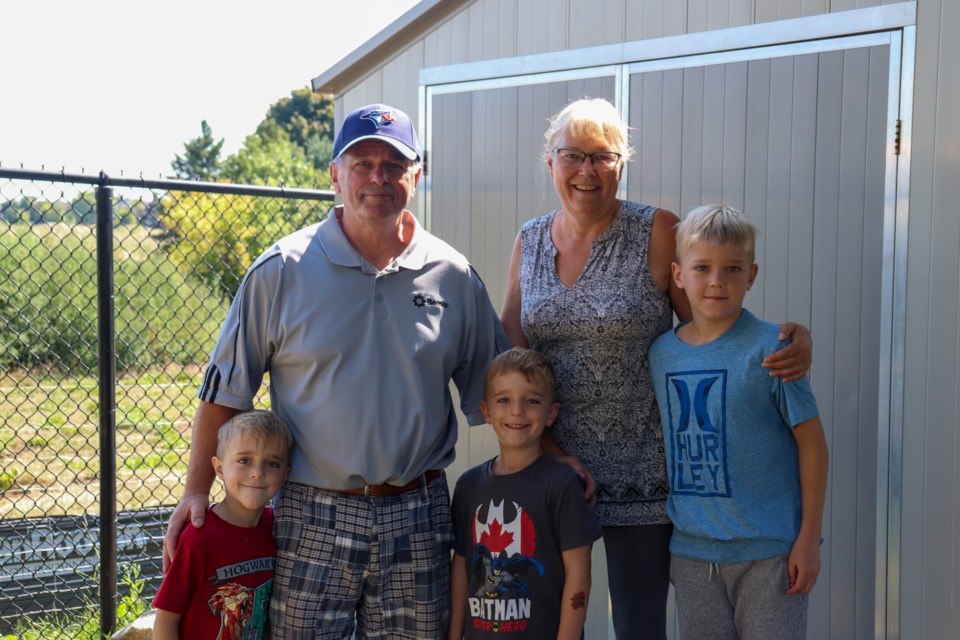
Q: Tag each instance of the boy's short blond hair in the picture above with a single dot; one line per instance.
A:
(264, 426)
(532, 365)
(716, 224)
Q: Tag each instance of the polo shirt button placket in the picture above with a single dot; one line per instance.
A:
(379, 307)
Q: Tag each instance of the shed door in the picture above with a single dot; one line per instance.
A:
(799, 142)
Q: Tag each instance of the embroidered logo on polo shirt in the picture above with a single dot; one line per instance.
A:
(426, 300)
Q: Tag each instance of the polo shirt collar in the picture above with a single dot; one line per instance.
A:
(340, 252)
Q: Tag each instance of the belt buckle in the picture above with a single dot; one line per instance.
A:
(366, 490)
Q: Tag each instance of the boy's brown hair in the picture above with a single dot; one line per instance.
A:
(532, 365)
(265, 426)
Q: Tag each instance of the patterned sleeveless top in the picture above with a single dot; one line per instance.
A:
(597, 333)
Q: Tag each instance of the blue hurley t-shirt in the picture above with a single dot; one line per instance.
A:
(731, 455)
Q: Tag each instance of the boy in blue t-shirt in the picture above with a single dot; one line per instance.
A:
(746, 453)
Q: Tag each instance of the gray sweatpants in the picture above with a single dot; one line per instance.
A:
(737, 601)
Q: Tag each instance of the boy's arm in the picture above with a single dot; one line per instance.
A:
(166, 625)
(576, 592)
(458, 597)
(804, 561)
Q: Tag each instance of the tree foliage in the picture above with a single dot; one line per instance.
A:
(201, 156)
(291, 146)
(270, 157)
(82, 209)
(49, 301)
(218, 236)
(307, 117)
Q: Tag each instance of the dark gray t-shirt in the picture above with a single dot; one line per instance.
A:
(512, 530)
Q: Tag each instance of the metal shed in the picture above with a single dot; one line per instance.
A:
(835, 124)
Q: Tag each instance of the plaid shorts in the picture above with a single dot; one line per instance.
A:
(376, 566)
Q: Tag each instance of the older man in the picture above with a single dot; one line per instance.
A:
(362, 321)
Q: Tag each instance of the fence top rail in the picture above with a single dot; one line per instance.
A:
(103, 180)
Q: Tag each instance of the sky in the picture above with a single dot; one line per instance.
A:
(120, 85)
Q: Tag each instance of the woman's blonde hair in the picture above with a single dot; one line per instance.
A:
(592, 118)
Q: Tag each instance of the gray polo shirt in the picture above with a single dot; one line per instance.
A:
(360, 360)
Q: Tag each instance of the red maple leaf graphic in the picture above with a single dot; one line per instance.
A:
(496, 539)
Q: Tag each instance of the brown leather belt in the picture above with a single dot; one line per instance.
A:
(383, 490)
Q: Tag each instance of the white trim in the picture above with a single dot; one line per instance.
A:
(521, 80)
(819, 27)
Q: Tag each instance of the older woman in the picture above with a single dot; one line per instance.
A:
(589, 285)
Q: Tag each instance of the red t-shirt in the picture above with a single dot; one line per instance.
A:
(220, 579)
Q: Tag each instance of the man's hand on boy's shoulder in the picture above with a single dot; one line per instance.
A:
(793, 361)
(191, 510)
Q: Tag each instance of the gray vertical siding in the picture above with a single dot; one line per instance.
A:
(754, 136)
(925, 560)
(930, 567)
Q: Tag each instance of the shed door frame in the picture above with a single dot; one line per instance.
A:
(889, 25)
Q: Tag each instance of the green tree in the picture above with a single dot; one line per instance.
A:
(270, 157)
(306, 116)
(20, 210)
(216, 237)
(84, 207)
(49, 301)
(201, 157)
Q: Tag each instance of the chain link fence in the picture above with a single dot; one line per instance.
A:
(112, 292)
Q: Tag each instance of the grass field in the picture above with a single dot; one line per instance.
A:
(49, 440)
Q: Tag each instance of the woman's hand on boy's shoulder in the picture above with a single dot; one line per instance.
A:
(793, 361)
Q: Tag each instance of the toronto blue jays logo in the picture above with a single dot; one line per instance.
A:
(698, 433)
(379, 117)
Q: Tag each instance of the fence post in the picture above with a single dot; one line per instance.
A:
(108, 409)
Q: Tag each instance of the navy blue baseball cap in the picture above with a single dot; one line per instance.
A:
(378, 122)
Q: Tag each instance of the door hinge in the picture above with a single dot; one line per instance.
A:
(896, 137)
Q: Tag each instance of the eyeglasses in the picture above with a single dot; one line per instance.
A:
(602, 160)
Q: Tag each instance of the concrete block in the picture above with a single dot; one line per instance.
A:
(139, 629)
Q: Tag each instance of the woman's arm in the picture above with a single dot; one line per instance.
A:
(576, 592)
(510, 313)
(662, 252)
(793, 361)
